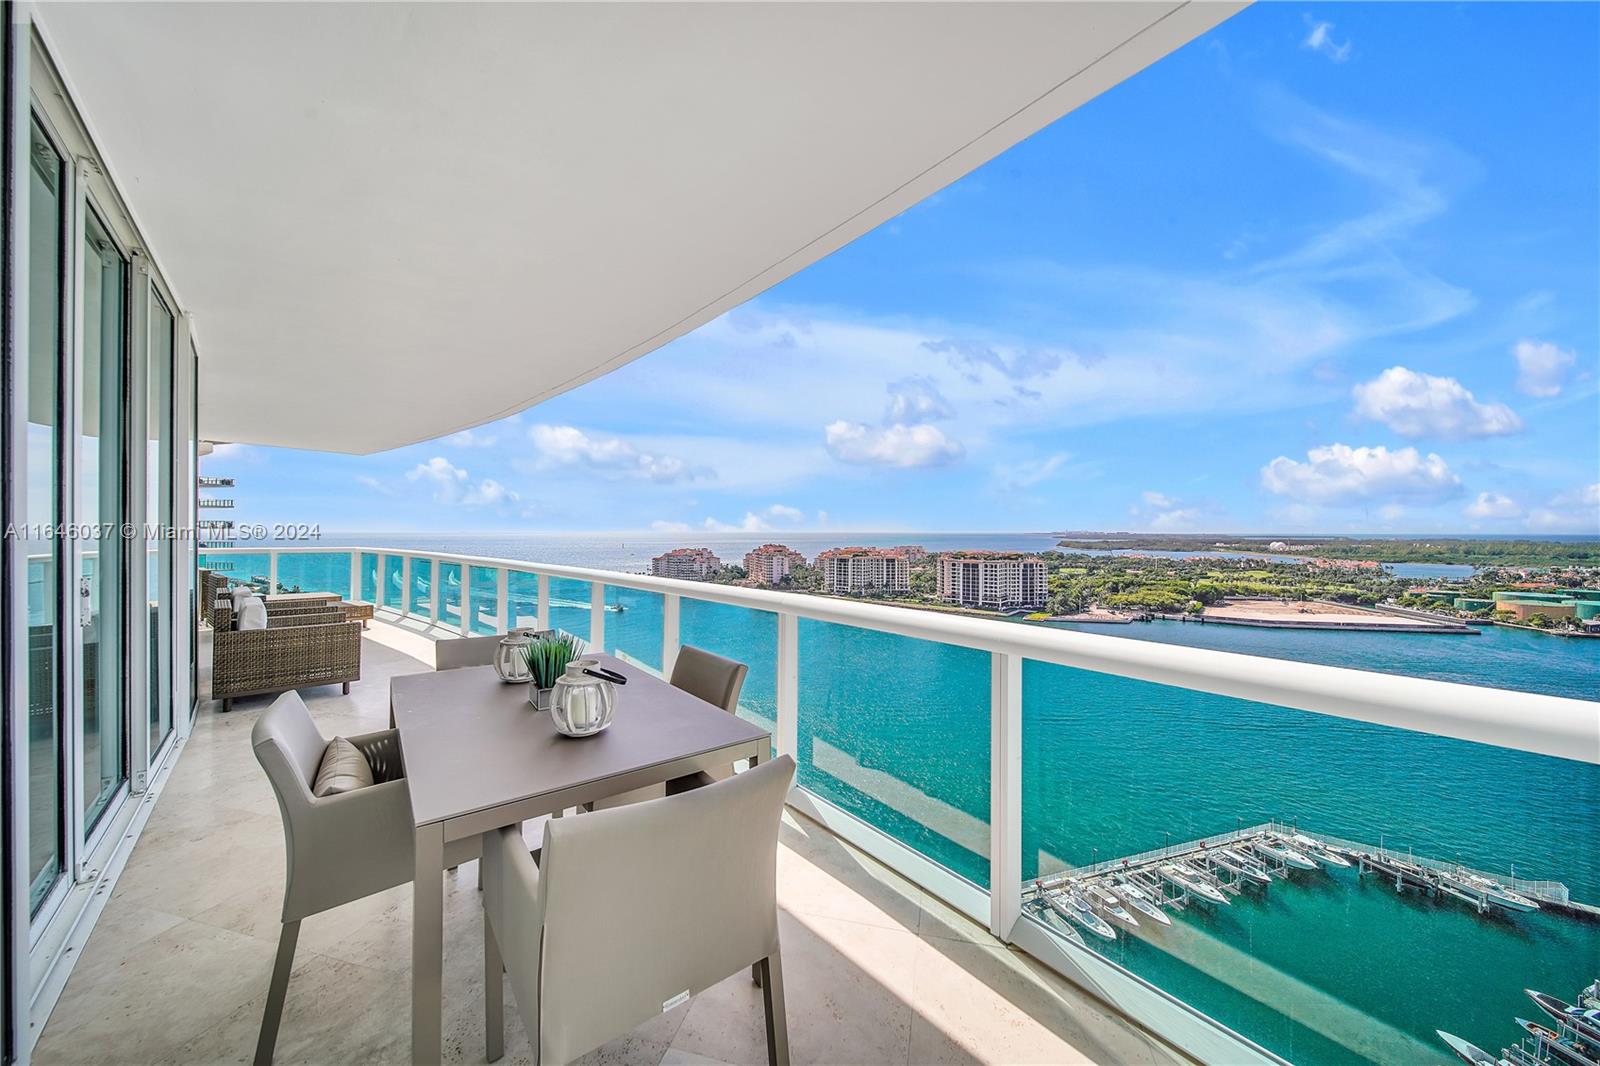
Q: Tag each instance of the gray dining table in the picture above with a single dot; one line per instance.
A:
(478, 756)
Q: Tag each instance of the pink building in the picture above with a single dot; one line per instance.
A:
(771, 563)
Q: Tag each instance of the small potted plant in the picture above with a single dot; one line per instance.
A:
(548, 657)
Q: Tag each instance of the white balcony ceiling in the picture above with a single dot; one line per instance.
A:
(392, 222)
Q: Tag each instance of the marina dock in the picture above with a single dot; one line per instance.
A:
(1218, 869)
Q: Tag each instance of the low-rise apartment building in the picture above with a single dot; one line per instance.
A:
(771, 563)
(690, 564)
(851, 570)
(995, 580)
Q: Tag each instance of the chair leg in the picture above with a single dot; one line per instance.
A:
(772, 998)
(276, 993)
(494, 1004)
(347, 688)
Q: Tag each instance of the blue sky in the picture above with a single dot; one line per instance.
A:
(1328, 268)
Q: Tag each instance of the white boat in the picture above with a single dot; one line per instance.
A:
(1106, 902)
(1191, 882)
(1319, 851)
(1059, 925)
(1283, 853)
(1140, 900)
(1071, 906)
(1584, 1023)
(1467, 1052)
(1488, 888)
(1248, 865)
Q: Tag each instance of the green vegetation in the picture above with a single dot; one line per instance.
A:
(1456, 550)
(548, 657)
(1141, 584)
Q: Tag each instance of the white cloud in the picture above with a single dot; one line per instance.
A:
(1542, 367)
(895, 445)
(1320, 39)
(662, 526)
(1030, 472)
(452, 484)
(783, 513)
(916, 399)
(612, 456)
(472, 438)
(1159, 511)
(490, 492)
(1571, 512)
(442, 474)
(1421, 405)
(1340, 474)
(752, 523)
(374, 484)
(1179, 518)
(1493, 505)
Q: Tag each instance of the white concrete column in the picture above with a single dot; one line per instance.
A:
(787, 740)
(1005, 792)
(671, 615)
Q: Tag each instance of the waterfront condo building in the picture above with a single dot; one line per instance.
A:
(992, 579)
(852, 570)
(690, 564)
(771, 563)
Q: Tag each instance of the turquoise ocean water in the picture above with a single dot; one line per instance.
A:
(1324, 968)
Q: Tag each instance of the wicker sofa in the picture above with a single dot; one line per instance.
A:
(302, 646)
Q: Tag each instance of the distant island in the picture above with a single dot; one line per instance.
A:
(1329, 583)
(1443, 550)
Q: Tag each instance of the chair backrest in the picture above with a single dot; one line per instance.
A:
(289, 747)
(633, 906)
(714, 679)
(457, 652)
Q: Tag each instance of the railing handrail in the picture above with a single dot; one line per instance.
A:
(1547, 725)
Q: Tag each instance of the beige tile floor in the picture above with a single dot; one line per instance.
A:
(876, 971)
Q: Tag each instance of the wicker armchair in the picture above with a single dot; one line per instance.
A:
(296, 650)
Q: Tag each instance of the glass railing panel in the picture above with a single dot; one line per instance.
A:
(369, 577)
(422, 588)
(449, 593)
(569, 606)
(240, 568)
(744, 635)
(896, 731)
(633, 625)
(393, 585)
(1329, 964)
(314, 572)
(522, 600)
(485, 600)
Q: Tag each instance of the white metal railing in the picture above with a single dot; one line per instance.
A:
(1546, 725)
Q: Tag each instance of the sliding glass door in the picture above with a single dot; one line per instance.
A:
(101, 511)
(41, 506)
(159, 501)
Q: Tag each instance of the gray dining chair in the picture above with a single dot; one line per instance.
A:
(714, 679)
(593, 952)
(339, 848)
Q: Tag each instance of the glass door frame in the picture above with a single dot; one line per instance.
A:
(90, 835)
(65, 570)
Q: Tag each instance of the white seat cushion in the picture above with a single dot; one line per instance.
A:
(250, 613)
